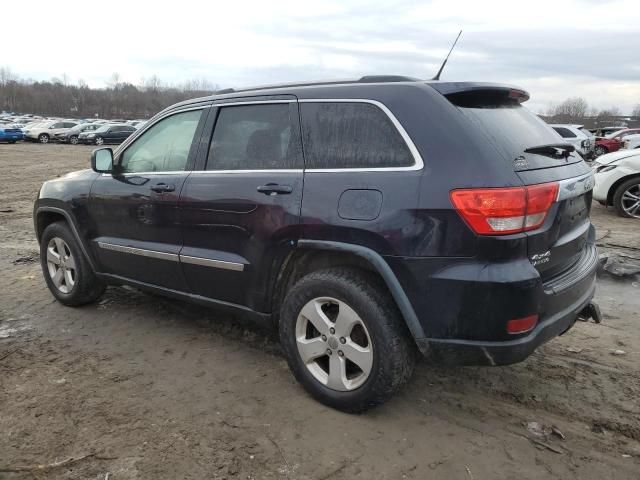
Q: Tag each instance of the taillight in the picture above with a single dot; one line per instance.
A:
(502, 211)
(521, 325)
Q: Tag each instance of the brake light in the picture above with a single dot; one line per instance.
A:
(521, 325)
(502, 211)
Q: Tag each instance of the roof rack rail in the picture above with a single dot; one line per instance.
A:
(364, 79)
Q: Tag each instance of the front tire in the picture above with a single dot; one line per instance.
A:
(43, 138)
(73, 140)
(600, 150)
(99, 141)
(345, 340)
(626, 199)
(66, 271)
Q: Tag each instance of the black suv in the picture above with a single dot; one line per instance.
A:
(368, 220)
(106, 134)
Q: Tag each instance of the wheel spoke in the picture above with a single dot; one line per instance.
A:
(346, 320)
(337, 379)
(59, 246)
(312, 311)
(630, 196)
(312, 348)
(361, 356)
(68, 279)
(58, 277)
(52, 256)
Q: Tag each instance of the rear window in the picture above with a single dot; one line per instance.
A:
(351, 135)
(564, 132)
(512, 129)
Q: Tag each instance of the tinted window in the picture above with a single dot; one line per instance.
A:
(69, 124)
(253, 137)
(564, 132)
(351, 135)
(57, 125)
(165, 146)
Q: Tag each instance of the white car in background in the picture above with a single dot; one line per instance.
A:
(617, 177)
(578, 136)
(631, 142)
(44, 132)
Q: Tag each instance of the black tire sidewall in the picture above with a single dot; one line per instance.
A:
(371, 305)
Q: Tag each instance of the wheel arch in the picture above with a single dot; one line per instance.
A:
(46, 215)
(311, 255)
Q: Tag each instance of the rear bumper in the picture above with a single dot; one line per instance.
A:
(468, 352)
(466, 310)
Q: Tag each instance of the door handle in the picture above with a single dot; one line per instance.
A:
(163, 187)
(275, 189)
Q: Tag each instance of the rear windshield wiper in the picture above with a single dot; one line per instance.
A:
(557, 150)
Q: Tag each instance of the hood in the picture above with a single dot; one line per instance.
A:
(615, 156)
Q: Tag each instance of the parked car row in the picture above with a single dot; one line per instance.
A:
(42, 130)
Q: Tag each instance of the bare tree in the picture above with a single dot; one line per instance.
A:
(636, 111)
(119, 99)
(571, 110)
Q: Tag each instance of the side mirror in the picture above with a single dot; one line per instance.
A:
(102, 160)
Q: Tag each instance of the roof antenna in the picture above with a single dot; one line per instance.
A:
(437, 77)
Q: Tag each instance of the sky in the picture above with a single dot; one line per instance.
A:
(553, 49)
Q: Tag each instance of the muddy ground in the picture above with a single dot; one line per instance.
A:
(158, 389)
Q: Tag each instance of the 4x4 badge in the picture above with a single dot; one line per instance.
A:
(540, 258)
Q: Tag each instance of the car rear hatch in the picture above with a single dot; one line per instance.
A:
(538, 156)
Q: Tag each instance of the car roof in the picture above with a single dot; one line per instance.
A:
(350, 88)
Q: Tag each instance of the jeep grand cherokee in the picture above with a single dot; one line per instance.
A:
(368, 220)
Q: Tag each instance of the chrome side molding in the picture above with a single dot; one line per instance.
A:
(173, 257)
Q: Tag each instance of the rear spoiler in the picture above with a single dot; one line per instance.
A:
(469, 94)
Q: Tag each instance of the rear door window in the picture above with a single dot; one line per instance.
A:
(254, 137)
(338, 135)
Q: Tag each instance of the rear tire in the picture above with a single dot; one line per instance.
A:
(361, 322)
(626, 198)
(66, 271)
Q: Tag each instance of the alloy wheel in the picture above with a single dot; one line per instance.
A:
(99, 141)
(44, 138)
(61, 265)
(73, 140)
(334, 344)
(631, 200)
